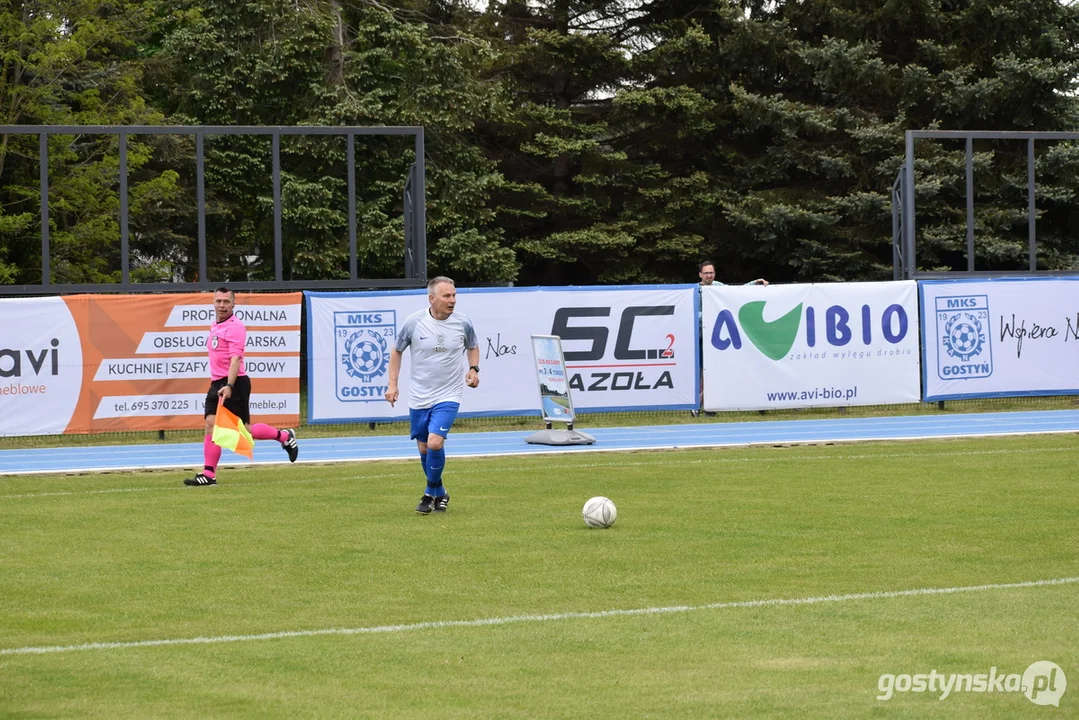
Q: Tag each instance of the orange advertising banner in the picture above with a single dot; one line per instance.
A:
(100, 363)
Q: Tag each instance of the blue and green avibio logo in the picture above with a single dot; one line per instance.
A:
(775, 338)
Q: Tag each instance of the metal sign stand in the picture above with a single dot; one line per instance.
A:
(555, 401)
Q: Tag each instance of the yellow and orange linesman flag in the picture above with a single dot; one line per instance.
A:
(229, 432)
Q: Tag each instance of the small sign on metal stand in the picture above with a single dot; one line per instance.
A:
(555, 402)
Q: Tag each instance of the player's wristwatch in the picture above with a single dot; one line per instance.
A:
(229, 386)
(474, 367)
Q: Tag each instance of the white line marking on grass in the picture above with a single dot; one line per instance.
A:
(80, 492)
(784, 442)
(666, 460)
(172, 487)
(483, 622)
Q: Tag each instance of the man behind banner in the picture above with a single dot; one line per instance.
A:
(438, 338)
(231, 385)
(707, 273)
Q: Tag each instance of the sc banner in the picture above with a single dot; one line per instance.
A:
(1001, 337)
(626, 348)
(816, 345)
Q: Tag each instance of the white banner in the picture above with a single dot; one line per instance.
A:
(1003, 337)
(191, 367)
(202, 316)
(40, 366)
(820, 345)
(626, 348)
(194, 341)
(119, 406)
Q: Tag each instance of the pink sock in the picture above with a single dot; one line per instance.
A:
(262, 431)
(211, 454)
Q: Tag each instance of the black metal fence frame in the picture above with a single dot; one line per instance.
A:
(903, 222)
(414, 198)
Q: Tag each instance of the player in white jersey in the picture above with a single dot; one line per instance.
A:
(438, 338)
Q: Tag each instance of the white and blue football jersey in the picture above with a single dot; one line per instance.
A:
(438, 349)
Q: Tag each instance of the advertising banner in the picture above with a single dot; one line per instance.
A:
(1000, 337)
(556, 405)
(105, 363)
(40, 366)
(626, 348)
(818, 345)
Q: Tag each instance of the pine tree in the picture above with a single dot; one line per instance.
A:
(810, 102)
(270, 62)
(75, 63)
(567, 176)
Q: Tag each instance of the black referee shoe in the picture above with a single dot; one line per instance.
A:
(200, 480)
(291, 446)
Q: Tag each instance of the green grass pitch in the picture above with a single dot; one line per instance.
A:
(317, 592)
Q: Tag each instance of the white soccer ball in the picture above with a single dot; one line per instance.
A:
(599, 512)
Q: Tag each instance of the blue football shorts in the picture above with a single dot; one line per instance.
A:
(437, 419)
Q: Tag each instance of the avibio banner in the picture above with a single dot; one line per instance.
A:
(819, 345)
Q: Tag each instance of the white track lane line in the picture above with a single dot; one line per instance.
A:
(666, 461)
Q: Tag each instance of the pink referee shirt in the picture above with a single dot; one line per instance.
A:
(226, 341)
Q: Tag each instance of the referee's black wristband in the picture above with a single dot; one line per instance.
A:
(474, 367)
(229, 385)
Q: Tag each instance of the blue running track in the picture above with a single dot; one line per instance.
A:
(693, 435)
